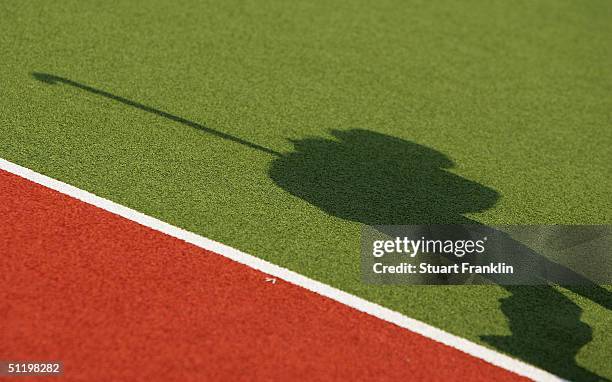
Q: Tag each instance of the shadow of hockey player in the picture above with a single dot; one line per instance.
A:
(377, 179)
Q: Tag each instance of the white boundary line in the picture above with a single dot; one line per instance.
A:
(478, 351)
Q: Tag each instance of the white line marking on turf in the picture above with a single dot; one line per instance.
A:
(355, 302)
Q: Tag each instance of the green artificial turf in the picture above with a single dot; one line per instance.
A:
(280, 127)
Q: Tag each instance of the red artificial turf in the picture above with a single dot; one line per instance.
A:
(115, 300)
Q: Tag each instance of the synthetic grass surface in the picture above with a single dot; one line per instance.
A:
(511, 100)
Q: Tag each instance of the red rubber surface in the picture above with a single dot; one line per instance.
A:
(115, 301)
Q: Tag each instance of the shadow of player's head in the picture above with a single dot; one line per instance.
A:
(374, 178)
